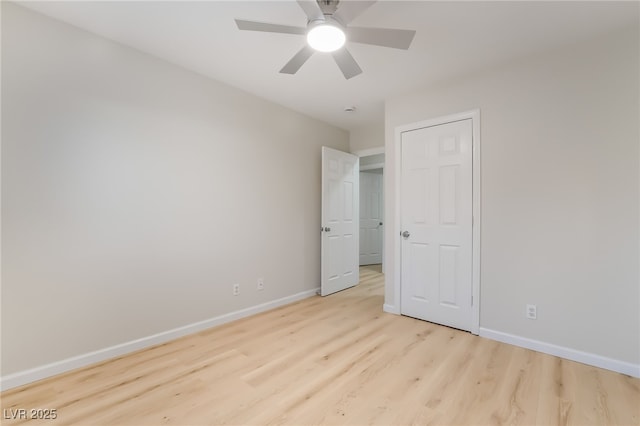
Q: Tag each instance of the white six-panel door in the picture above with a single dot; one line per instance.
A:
(340, 221)
(436, 221)
(371, 224)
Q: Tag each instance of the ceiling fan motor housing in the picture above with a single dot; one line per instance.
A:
(328, 7)
(328, 20)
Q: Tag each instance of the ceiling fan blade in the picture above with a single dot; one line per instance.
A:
(349, 10)
(387, 37)
(346, 63)
(269, 28)
(311, 9)
(298, 60)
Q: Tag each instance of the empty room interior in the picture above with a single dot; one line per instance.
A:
(320, 212)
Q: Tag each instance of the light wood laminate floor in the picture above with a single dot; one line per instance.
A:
(335, 360)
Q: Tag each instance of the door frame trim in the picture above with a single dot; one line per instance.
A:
(368, 152)
(474, 115)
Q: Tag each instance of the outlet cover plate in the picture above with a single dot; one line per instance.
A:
(532, 311)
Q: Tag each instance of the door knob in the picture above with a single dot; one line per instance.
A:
(327, 229)
(380, 224)
(406, 234)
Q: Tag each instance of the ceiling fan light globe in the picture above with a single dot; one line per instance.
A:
(326, 38)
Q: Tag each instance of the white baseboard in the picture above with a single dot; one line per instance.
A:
(392, 309)
(563, 352)
(38, 373)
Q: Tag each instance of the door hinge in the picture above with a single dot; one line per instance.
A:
(471, 300)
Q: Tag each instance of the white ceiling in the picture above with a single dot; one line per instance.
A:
(453, 39)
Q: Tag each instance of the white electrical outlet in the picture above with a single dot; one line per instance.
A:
(260, 284)
(532, 311)
(236, 289)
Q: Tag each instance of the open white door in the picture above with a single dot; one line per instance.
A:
(340, 221)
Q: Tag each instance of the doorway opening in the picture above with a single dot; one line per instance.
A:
(371, 238)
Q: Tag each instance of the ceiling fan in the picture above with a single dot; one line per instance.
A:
(327, 30)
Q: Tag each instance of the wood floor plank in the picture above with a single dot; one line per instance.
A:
(337, 360)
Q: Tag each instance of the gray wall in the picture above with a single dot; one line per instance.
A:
(560, 192)
(367, 137)
(135, 193)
